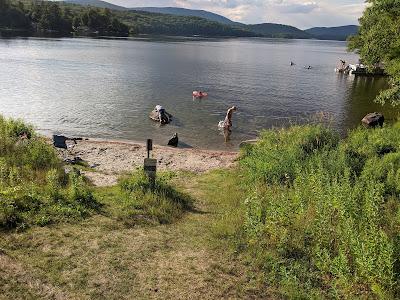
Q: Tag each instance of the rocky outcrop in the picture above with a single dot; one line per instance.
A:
(373, 119)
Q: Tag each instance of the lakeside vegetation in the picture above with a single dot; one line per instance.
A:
(378, 43)
(34, 189)
(305, 214)
(46, 17)
(320, 217)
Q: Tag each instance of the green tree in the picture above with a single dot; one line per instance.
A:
(4, 5)
(378, 41)
(76, 22)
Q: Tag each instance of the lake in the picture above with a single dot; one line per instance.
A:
(106, 88)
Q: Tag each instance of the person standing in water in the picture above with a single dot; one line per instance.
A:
(228, 118)
(162, 115)
(227, 124)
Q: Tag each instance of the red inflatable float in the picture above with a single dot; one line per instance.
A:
(199, 94)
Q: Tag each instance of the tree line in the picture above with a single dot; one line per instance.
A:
(52, 17)
(164, 24)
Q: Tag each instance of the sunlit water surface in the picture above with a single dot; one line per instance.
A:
(106, 88)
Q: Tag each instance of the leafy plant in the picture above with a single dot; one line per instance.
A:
(321, 214)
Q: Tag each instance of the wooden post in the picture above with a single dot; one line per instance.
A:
(149, 147)
(150, 168)
(150, 165)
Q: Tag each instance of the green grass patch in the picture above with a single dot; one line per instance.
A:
(318, 217)
(135, 202)
(34, 189)
(162, 203)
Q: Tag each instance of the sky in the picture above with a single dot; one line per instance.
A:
(300, 13)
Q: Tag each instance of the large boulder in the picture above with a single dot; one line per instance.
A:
(373, 119)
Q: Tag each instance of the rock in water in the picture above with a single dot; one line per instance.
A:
(373, 119)
(174, 140)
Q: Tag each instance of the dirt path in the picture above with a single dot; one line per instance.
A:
(103, 259)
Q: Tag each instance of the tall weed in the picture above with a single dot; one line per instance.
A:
(322, 215)
(34, 189)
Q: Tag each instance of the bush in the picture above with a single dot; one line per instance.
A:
(34, 189)
(280, 152)
(322, 216)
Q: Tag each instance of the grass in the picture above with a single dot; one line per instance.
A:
(320, 216)
(162, 203)
(304, 215)
(105, 257)
(61, 238)
(134, 202)
(34, 189)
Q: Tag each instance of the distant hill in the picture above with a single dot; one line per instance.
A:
(333, 33)
(168, 20)
(278, 31)
(186, 12)
(142, 22)
(96, 3)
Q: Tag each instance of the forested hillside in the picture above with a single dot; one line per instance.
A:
(12, 16)
(185, 12)
(333, 33)
(278, 31)
(100, 18)
(46, 17)
(42, 18)
(150, 23)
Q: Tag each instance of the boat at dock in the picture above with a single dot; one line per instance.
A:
(361, 70)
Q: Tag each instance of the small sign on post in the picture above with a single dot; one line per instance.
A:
(150, 168)
(150, 165)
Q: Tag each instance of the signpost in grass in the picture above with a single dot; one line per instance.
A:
(150, 165)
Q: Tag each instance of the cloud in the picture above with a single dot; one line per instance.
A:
(297, 8)
(221, 3)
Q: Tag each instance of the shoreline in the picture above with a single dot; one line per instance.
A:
(109, 159)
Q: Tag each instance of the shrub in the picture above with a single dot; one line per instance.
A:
(33, 187)
(280, 152)
(322, 216)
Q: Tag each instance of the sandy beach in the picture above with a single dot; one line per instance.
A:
(110, 159)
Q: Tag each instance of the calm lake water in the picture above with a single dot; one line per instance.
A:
(106, 88)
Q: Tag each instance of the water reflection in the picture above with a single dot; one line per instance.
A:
(359, 100)
(106, 88)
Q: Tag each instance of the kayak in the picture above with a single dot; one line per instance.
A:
(198, 94)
